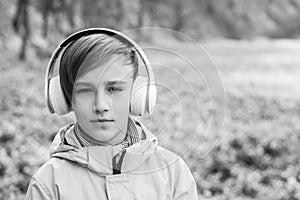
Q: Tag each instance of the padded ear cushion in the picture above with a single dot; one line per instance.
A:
(57, 98)
(139, 94)
(152, 97)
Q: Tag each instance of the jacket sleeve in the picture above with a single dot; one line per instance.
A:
(185, 186)
(36, 191)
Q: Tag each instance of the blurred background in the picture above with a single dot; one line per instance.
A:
(254, 43)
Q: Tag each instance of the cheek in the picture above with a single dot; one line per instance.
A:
(82, 105)
(120, 104)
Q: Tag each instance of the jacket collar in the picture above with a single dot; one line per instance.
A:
(99, 158)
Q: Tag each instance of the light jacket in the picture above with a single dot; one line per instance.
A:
(148, 171)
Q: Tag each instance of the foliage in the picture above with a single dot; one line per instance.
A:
(257, 156)
(51, 19)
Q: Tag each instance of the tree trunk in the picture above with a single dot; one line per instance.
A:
(179, 19)
(46, 9)
(26, 32)
(21, 25)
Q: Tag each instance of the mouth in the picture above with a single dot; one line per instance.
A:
(102, 120)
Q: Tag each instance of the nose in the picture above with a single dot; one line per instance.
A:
(102, 103)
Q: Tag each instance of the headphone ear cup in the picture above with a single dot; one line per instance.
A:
(57, 97)
(138, 96)
(152, 97)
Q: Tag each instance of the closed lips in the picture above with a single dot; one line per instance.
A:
(102, 120)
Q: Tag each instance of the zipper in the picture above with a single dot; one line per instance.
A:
(118, 161)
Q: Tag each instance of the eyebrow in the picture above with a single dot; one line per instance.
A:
(88, 84)
(115, 82)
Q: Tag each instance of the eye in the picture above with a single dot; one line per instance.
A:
(85, 90)
(113, 89)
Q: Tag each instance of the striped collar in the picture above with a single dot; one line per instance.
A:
(132, 136)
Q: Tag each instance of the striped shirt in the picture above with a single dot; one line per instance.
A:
(131, 137)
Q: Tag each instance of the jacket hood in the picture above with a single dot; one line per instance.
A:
(99, 158)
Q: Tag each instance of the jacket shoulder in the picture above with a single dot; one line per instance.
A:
(167, 154)
(43, 181)
(52, 170)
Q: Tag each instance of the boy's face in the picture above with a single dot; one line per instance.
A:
(101, 99)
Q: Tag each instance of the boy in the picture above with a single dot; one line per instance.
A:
(106, 154)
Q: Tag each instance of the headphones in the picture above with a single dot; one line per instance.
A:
(144, 91)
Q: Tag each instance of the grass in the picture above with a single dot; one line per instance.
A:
(255, 157)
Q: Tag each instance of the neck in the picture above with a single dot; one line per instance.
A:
(132, 136)
(86, 139)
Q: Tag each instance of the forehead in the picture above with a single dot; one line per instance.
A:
(115, 68)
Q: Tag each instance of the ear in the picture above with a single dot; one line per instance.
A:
(138, 96)
(57, 97)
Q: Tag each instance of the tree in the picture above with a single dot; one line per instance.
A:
(21, 25)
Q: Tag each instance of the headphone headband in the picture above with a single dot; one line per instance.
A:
(113, 33)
